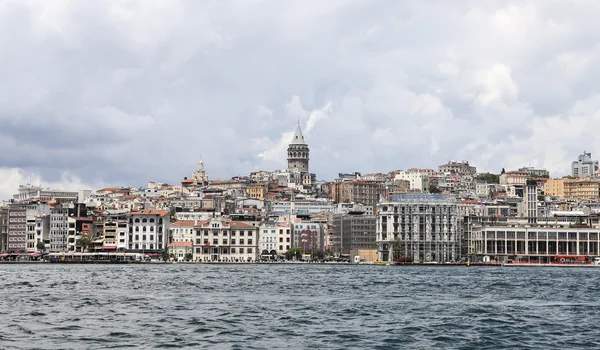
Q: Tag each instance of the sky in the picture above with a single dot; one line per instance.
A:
(119, 93)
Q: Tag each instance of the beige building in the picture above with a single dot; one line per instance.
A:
(222, 240)
(256, 191)
(555, 187)
(582, 189)
(513, 178)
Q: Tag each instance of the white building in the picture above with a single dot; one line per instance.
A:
(418, 181)
(584, 166)
(275, 239)
(482, 189)
(182, 231)
(27, 192)
(59, 228)
(302, 207)
(196, 215)
(148, 230)
(222, 240)
(180, 250)
(425, 227)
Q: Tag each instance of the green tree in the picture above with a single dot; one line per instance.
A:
(489, 178)
(189, 257)
(40, 246)
(84, 242)
(293, 253)
(165, 254)
(398, 248)
(434, 189)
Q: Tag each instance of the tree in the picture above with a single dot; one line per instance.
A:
(165, 254)
(293, 253)
(398, 249)
(84, 242)
(489, 178)
(40, 246)
(434, 189)
(189, 256)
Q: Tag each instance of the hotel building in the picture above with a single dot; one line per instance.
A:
(223, 240)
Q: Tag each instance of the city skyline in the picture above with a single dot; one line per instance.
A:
(96, 96)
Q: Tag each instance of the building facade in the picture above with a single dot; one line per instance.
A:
(17, 230)
(555, 188)
(584, 166)
(533, 172)
(583, 189)
(148, 230)
(358, 191)
(418, 181)
(352, 233)
(275, 239)
(420, 227)
(222, 240)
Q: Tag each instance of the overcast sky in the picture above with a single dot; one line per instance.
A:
(99, 93)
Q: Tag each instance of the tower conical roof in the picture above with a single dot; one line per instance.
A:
(298, 137)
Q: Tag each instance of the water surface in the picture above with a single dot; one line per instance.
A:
(46, 306)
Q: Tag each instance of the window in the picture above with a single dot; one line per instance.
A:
(232, 250)
(151, 237)
(241, 233)
(233, 241)
(241, 250)
(250, 241)
(224, 241)
(215, 241)
(249, 250)
(241, 241)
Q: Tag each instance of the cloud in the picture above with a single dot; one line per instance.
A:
(120, 93)
(13, 177)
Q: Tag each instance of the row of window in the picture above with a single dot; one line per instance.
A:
(226, 251)
(224, 241)
(274, 239)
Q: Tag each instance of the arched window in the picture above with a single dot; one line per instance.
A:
(137, 246)
(151, 219)
(137, 220)
(151, 246)
(144, 220)
(144, 229)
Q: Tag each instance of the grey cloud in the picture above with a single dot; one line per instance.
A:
(143, 89)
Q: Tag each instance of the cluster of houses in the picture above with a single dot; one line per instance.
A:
(423, 215)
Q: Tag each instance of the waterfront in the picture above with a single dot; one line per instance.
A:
(301, 306)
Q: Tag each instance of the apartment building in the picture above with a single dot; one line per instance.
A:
(427, 228)
(148, 230)
(583, 189)
(223, 240)
(358, 191)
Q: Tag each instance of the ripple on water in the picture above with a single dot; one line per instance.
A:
(296, 307)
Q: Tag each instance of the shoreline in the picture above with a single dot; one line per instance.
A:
(244, 263)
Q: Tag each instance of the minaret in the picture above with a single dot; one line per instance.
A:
(298, 151)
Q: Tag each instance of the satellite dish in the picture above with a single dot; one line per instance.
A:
(587, 210)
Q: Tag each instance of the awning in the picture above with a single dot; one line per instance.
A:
(35, 255)
(3, 255)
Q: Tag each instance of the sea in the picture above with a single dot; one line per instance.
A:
(297, 306)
